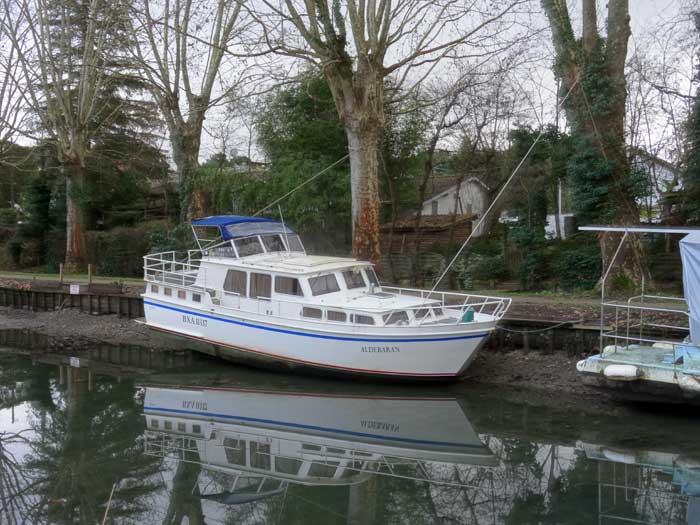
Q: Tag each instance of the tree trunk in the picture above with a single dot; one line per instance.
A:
(363, 142)
(185, 141)
(393, 192)
(76, 251)
(596, 110)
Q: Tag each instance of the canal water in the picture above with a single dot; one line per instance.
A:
(119, 437)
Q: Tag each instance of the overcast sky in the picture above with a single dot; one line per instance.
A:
(648, 19)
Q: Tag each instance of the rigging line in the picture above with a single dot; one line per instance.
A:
(301, 185)
(500, 193)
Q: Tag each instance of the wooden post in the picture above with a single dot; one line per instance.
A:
(60, 273)
(89, 273)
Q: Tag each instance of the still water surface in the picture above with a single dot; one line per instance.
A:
(210, 443)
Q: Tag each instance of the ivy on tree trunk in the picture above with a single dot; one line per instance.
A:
(592, 70)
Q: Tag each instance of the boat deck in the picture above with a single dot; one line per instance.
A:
(644, 356)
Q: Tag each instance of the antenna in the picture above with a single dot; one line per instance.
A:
(284, 229)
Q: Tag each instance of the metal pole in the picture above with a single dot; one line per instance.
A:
(602, 287)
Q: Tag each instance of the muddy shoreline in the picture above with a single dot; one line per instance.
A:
(551, 373)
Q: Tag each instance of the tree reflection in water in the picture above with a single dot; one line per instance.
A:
(83, 435)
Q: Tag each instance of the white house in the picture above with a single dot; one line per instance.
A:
(471, 197)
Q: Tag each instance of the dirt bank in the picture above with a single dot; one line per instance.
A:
(552, 374)
(73, 324)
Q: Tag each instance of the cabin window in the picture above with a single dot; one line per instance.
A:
(324, 284)
(196, 429)
(353, 279)
(168, 425)
(235, 451)
(288, 286)
(154, 423)
(294, 243)
(373, 280)
(197, 298)
(260, 286)
(181, 427)
(362, 319)
(154, 288)
(323, 470)
(334, 315)
(168, 291)
(273, 243)
(421, 313)
(235, 282)
(434, 208)
(260, 456)
(181, 294)
(314, 448)
(313, 313)
(395, 318)
(248, 246)
(287, 465)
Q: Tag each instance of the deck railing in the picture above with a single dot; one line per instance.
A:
(491, 305)
(639, 319)
(165, 269)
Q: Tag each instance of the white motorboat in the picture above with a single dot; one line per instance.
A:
(250, 293)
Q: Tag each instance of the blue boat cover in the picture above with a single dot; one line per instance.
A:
(235, 226)
(690, 255)
(225, 220)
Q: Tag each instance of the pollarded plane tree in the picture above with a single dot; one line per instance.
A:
(184, 47)
(60, 52)
(592, 69)
(359, 44)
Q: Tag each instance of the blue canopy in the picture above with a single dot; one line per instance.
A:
(233, 226)
(225, 220)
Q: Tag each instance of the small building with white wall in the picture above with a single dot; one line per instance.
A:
(470, 197)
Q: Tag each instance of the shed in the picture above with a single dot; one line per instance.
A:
(434, 232)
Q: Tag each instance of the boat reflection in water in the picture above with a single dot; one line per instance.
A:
(645, 486)
(254, 443)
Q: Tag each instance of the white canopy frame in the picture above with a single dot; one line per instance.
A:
(626, 231)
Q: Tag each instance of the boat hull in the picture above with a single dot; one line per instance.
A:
(252, 341)
(651, 378)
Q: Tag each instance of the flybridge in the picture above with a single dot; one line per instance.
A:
(240, 236)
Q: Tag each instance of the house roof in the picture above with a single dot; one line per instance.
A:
(446, 184)
(428, 222)
(643, 154)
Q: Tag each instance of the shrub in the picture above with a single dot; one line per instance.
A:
(577, 266)
(120, 251)
(8, 216)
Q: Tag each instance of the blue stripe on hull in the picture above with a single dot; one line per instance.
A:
(312, 427)
(306, 334)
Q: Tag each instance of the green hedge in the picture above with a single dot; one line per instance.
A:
(120, 251)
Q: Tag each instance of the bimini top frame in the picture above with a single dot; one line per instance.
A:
(230, 227)
(691, 271)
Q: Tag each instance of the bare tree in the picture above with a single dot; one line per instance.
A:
(181, 47)
(60, 73)
(11, 114)
(358, 44)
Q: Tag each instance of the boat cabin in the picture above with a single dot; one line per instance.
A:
(259, 266)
